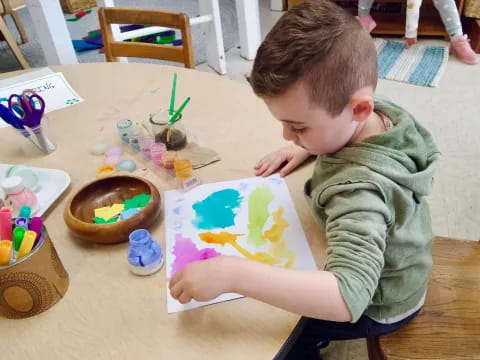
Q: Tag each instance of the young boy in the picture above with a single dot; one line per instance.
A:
(317, 73)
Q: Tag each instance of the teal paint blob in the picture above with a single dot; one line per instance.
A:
(217, 210)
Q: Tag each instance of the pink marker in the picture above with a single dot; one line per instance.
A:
(36, 224)
(5, 224)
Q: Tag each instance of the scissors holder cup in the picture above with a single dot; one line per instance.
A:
(42, 141)
(33, 284)
(26, 113)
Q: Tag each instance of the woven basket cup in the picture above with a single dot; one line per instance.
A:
(33, 284)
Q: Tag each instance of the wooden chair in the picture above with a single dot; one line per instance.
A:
(449, 325)
(114, 49)
(10, 7)
(7, 36)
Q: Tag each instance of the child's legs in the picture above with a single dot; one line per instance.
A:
(310, 335)
(364, 7)
(450, 18)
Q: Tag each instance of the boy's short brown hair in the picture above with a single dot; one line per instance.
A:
(321, 44)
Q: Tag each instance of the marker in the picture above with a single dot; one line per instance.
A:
(36, 225)
(25, 212)
(5, 224)
(5, 252)
(27, 244)
(18, 234)
(21, 222)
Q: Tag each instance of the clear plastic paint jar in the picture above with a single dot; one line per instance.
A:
(169, 158)
(124, 128)
(145, 142)
(18, 195)
(144, 254)
(183, 169)
(156, 152)
(135, 134)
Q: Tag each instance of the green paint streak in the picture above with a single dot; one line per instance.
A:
(258, 214)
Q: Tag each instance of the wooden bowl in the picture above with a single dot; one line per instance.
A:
(79, 212)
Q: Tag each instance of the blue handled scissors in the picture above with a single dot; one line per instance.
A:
(27, 108)
(10, 118)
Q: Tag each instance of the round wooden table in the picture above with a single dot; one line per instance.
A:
(108, 312)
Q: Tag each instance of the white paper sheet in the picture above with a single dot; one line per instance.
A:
(31, 75)
(188, 219)
(53, 88)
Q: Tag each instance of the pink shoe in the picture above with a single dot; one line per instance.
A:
(460, 47)
(367, 22)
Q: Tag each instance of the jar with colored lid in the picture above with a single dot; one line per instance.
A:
(18, 195)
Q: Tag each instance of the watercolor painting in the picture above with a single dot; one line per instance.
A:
(253, 218)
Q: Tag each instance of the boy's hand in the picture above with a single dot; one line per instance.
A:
(203, 280)
(292, 155)
(410, 41)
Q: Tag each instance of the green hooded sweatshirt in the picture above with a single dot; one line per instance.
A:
(371, 198)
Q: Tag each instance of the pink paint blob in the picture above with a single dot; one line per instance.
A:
(114, 151)
(186, 252)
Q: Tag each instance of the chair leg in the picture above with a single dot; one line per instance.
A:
(374, 351)
(13, 45)
(215, 48)
(18, 21)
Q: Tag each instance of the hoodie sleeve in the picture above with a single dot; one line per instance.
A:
(356, 228)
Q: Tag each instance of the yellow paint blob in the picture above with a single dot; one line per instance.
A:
(275, 233)
(224, 237)
(279, 253)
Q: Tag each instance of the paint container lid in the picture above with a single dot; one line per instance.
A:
(13, 185)
(98, 149)
(30, 178)
(114, 151)
(105, 170)
(127, 165)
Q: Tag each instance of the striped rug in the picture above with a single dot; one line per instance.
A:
(419, 65)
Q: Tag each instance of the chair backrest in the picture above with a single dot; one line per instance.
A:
(113, 49)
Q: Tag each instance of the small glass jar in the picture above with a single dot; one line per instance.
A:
(173, 136)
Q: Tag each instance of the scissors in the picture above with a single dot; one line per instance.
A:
(7, 116)
(27, 108)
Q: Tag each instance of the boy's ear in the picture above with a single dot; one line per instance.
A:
(361, 103)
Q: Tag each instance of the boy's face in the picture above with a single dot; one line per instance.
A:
(309, 125)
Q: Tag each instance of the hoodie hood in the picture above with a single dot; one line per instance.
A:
(405, 154)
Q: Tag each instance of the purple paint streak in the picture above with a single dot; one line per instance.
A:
(186, 252)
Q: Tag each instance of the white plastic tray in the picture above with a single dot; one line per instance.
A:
(52, 183)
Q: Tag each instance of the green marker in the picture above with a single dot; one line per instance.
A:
(18, 234)
(172, 95)
(178, 112)
(25, 212)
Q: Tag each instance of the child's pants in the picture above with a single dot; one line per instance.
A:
(447, 9)
(311, 335)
